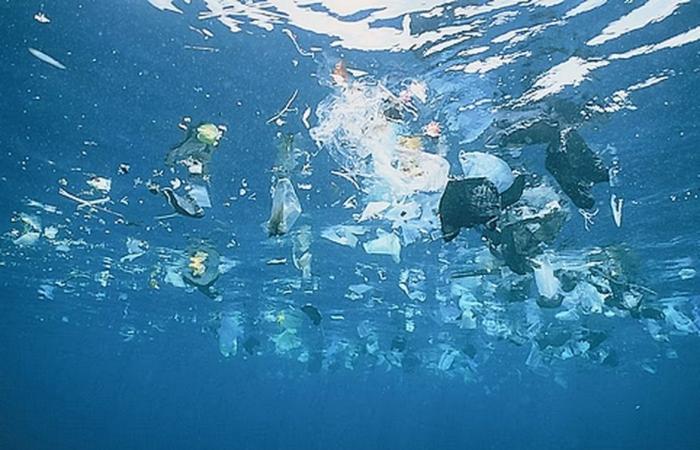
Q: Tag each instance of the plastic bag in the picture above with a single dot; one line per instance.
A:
(286, 208)
(483, 165)
(229, 331)
(547, 284)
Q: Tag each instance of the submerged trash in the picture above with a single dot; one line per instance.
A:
(230, 331)
(202, 269)
(483, 165)
(31, 231)
(196, 151)
(467, 203)
(312, 313)
(46, 58)
(184, 205)
(385, 244)
(526, 227)
(286, 208)
(344, 234)
(575, 167)
(102, 184)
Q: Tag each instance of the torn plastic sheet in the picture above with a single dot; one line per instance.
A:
(484, 165)
(200, 195)
(373, 210)
(404, 173)
(547, 284)
(286, 341)
(679, 321)
(447, 359)
(357, 291)
(344, 234)
(412, 283)
(31, 232)
(102, 184)
(385, 244)
(286, 208)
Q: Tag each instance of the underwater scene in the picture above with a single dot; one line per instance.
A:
(350, 224)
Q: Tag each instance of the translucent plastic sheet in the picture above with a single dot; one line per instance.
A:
(286, 208)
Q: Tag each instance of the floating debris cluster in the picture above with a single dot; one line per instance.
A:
(463, 244)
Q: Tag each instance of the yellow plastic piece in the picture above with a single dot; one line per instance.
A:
(197, 265)
(208, 133)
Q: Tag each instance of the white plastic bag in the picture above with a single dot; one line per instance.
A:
(483, 165)
(286, 208)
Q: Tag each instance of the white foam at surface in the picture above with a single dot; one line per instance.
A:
(165, 5)
(651, 12)
(491, 63)
(584, 7)
(571, 72)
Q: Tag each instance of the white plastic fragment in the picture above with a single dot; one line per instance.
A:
(286, 341)
(46, 291)
(46, 58)
(547, 284)
(419, 90)
(373, 210)
(305, 117)
(385, 244)
(200, 195)
(616, 207)
(31, 233)
(41, 18)
(357, 291)
(483, 165)
(679, 321)
(102, 184)
(50, 232)
(174, 278)
(569, 315)
(344, 234)
(687, 273)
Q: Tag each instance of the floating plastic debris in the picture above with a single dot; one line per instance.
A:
(483, 165)
(42, 18)
(616, 207)
(313, 313)
(102, 184)
(385, 244)
(373, 210)
(547, 284)
(286, 208)
(182, 204)
(230, 331)
(344, 234)
(46, 58)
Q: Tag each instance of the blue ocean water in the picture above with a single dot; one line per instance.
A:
(102, 349)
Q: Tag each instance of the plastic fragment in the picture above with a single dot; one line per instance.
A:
(229, 331)
(286, 208)
(385, 244)
(102, 184)
(616, 207)
(373, 210)
(547, 284)
(484, 165)
(344, 234)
